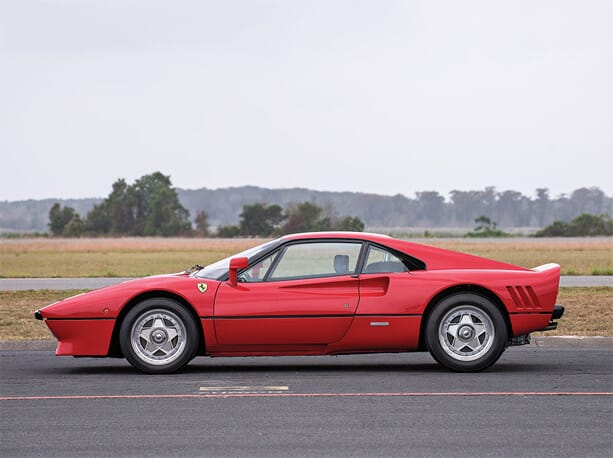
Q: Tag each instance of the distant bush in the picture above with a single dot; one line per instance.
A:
(228, 232)
(584, 225)
(486, 228)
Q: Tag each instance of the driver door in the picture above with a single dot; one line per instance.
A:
(305, 294)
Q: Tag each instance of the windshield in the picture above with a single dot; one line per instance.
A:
(219, 269)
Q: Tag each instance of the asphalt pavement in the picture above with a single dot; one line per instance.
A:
(552, 398)
(22, 284)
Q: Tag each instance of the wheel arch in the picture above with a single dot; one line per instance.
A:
(464, 288)
(115, 348)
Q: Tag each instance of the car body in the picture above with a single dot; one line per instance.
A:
(315, 294)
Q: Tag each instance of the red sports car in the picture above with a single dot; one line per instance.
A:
(315, 294)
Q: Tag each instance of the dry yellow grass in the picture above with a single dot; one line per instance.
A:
(581, 256)
(589, 312)
(122, 244)
(135, 257)
(17, 308)
(123, 257)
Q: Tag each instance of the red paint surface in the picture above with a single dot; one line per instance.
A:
(314, 316)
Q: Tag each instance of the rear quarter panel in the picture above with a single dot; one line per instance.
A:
(528, 296)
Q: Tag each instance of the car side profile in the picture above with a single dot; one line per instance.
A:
(325, 293)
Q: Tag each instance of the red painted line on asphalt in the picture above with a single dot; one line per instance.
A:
(306, 395)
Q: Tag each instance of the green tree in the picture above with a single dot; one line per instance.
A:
(149, 207)
(586, 225)
(304, 217)
(555, 229)
(349, 223)
(228, 232)
(158, 210)
(484, 223)
(116, 214)
(308, 217)
(60, 217)
(261, 219)
(75, 227)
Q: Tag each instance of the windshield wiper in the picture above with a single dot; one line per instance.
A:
(195, 268)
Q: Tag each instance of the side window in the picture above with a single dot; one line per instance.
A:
(257, 272)
(379, 260)
(317, 259)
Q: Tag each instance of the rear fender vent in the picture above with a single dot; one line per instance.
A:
(524, 297)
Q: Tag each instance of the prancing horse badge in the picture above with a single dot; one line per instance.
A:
(202, 287)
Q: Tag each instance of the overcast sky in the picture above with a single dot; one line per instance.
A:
(373, 96)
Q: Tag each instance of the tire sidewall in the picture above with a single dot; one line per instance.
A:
(162, 303)
(440, 311)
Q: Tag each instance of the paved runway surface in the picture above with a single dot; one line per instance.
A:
(21, 284)
(552, 400)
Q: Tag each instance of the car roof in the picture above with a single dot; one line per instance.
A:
(435, 258)
(338, 235)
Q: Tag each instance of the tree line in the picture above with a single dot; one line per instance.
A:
(584, 225)
(427, 209)
(151, 207)
(509, 208)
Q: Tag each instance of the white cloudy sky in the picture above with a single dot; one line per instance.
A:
(373, 96)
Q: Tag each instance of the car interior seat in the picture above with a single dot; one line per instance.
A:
(341, 264)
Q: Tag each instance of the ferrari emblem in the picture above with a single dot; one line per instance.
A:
(202, 287)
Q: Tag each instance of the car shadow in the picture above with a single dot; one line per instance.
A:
(306, 368)
(120, 367)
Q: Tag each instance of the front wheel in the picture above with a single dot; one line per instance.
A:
(466, 333)
(158, 336)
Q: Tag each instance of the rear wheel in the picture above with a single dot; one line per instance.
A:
(466, 332)
(159, 336)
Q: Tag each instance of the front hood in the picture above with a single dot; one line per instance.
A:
(107, 302)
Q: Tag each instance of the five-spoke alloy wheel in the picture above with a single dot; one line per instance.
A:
(466, 332)
(158, 336)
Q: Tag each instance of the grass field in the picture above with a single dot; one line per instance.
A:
(124, 257)
(588, 313)
(136, 257)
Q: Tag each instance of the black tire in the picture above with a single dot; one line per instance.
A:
(158, 336)
(466, 332)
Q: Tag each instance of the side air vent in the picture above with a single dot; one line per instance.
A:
(524, 297)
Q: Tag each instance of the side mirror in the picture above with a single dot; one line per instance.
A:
(235, 265)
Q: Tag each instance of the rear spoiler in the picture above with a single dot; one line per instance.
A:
(544, 267)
